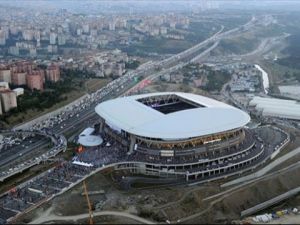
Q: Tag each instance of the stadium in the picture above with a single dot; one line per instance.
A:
(175, 134)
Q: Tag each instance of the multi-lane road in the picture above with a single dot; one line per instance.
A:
(150, 70)
(21, 150)
(38, 147)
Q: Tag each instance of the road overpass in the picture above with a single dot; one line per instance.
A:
(149, 71)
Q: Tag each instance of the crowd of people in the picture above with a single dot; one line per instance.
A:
(40, 188)
(60, 177)
(67, 173)
(251, 147)
(110, 151)
(115, 152)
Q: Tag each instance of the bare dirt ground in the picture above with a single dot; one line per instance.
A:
(165, 86)
(114, 199)
(228, 207)
(174, 203)
(167, 203)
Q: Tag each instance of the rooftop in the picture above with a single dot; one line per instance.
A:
(154, 115)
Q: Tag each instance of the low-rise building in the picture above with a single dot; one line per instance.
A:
(19, 91)
(198, 82)
(176, 78)
(118, 69)
(3, 85)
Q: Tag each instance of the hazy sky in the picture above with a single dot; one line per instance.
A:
(94, 6)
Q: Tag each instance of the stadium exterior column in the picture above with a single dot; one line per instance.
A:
(101, 125)
(132, 143)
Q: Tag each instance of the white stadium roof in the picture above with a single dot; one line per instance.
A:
(134, 117)
(87, 131)
(90, 140)
(87, 139)
(289, 109)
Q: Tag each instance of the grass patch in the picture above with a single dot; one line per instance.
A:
(30, 114)
(94, 84)
(158, 45)
(240, 45)
(90, 85)
(278, 71)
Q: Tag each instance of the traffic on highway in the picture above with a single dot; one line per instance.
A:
(72, 118)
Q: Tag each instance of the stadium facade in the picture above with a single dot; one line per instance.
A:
(175, 134)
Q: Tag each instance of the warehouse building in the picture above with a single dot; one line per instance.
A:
(274, 107)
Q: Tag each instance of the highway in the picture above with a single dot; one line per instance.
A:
(152, 70)
(18, 151)
(29, 152)
(22, 150)
(75, 122)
